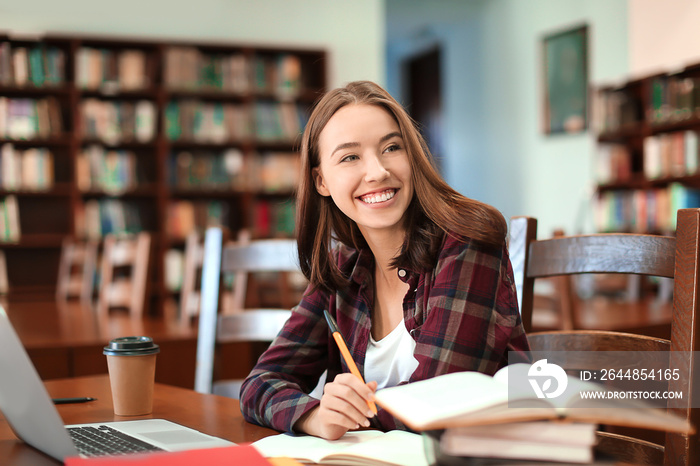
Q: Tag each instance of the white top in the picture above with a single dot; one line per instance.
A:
(390, 360)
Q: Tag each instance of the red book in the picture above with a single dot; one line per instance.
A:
(238, 454)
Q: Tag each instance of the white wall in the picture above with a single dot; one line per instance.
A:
(352, 32)
(663, 35)
(496, 151)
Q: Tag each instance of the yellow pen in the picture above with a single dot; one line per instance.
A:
(346, 354)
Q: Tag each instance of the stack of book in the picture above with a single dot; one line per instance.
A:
(570, 442)
(482, 417)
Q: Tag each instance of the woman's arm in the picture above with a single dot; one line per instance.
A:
(275, 393)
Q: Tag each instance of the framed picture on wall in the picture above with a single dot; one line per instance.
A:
(565, 72)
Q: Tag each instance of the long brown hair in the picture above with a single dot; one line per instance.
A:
(435, 209)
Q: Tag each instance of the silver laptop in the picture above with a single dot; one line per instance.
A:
(29, 410)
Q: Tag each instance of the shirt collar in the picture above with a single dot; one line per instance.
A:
(364, 267)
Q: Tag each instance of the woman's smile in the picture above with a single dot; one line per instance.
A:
(378, 197)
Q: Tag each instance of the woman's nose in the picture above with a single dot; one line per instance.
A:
(376, 171)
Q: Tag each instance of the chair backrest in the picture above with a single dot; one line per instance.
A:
(673, 257)
(76, 270)
(190, 293)
(130, 255)
(555, 306)
(244, 325)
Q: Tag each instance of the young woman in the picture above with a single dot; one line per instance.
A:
(416, 275)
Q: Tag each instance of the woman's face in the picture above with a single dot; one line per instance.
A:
(364, 168)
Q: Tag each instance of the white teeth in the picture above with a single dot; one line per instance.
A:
(385, 196)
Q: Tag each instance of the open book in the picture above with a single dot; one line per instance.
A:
(366, 447)
(472, 398)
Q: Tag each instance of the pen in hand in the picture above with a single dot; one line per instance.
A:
(346, 354)
(64, 401)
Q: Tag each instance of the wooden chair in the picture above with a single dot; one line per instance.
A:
(190, 293)
(76, 270)
(554, 302)
(128, 290)
(246, 325)
(673, 257)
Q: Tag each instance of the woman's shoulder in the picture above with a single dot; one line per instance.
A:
(455, 245)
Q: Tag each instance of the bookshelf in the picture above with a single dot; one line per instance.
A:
(101, 135)
(647, 151)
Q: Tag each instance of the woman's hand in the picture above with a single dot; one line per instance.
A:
(343, 407)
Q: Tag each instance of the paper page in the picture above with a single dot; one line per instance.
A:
(308, 447)
(442, 397)
(394, 447)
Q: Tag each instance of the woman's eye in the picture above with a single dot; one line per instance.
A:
(349, 158)
(392, 148)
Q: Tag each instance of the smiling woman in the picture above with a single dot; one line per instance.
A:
(416, 275)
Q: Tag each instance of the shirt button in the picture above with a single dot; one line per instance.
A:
(402, 273)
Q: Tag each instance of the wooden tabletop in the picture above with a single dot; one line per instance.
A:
(53, 324)
(211, 414)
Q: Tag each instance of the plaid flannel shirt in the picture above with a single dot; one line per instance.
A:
(463, 315)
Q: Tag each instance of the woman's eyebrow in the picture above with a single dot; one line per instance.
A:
(345, 145)
(395, 134)
(349, 145)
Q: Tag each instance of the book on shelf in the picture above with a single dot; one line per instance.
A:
(9, 220)
(613, 163)
(20, 64)
(39, 65)
(366, 447)
(97, 218)
(643, 210)
(183, 217)
(530, 441)
(673, 98)
(6, 76)
(132, 70)
(278, 121)
(37, 169)
(273, 218)
(274, 172)
(288, 76)
(474, 399)
(30, 169)
(188, 68)
(25, 119)
(115, 121)
(174, 267)
(204, 122)
(614, 110)
(672, 154)
(110, 70)
(113, 171)
(207, 170)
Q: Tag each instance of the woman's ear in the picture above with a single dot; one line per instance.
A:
(320, 185)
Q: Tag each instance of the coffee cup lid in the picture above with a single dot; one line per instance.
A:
(131, 346)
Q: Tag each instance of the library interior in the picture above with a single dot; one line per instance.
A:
(143, 145)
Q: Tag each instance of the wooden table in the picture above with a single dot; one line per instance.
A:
(66, 340)
(211, 414)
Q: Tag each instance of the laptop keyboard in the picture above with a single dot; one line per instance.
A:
(103, 440)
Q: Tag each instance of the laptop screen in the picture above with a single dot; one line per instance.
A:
(24, 400)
